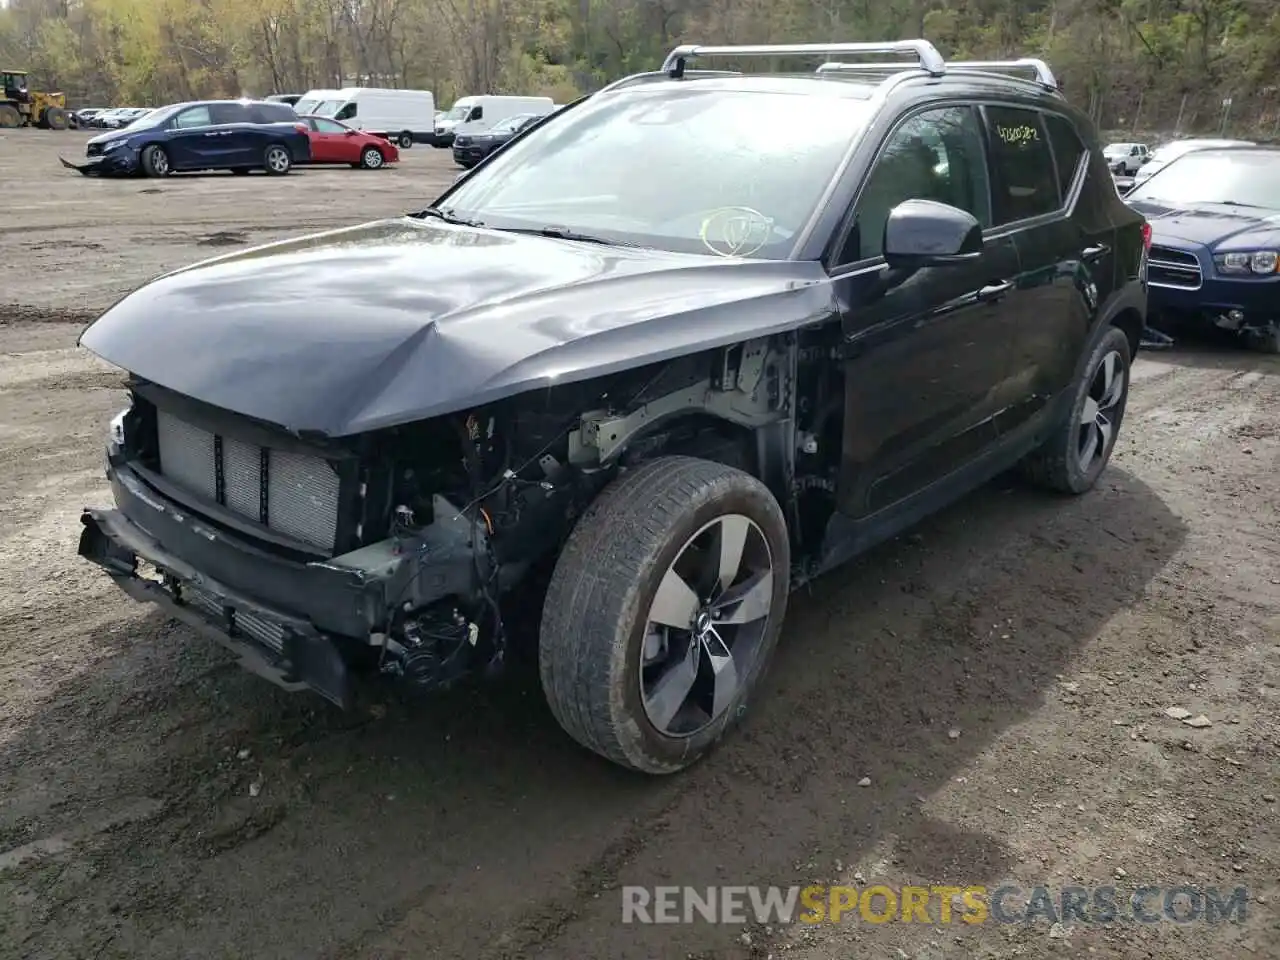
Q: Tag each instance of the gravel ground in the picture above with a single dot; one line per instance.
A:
(980, 702)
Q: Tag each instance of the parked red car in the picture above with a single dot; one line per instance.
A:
(335, 142)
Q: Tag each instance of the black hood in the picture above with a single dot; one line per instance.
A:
(399, 320)
(1213, 225)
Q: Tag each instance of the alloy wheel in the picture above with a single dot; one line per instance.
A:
(1099, 416)
(277, 160)
(372, 159)
(706, 625)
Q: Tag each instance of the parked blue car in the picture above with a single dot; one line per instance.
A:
(1215, 242)
(236, 135)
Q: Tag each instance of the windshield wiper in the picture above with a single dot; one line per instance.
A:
(561, 233)
(438, 214)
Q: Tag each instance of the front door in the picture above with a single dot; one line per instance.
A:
(194, 141)
(332, 142)
(924, 356)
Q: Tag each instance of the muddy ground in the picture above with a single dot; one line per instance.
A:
(1000, 676)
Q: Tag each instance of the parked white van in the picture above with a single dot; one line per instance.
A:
(312, 99)
(405, 116)
(473, 114)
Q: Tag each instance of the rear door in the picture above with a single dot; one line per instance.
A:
(1038, 174)
(924, 353)
(239, 145)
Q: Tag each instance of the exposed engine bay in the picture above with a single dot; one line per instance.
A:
(438, 524)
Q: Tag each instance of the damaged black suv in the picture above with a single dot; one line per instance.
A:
(668, 354)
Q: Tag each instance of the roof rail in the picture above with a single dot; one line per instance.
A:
(1044, 76)
(925, 52)
(651, 75)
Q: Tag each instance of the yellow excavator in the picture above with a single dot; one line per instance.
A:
(20, 107)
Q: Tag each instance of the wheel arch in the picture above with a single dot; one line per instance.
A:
(1130, 321)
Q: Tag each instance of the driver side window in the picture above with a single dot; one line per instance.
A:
(935, 155)
(195, 117)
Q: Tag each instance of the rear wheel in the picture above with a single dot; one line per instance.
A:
(9, 116)
(663, 612)
(1078, 450)
(276, 160)
(371, 158)
(155, 162)
(405, 140)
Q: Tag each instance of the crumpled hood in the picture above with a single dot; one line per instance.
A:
(397, 320)
(1217, 226)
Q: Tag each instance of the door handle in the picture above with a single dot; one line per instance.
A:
(994, 291)
(1090, 254)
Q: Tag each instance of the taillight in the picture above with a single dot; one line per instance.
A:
(1146, 236)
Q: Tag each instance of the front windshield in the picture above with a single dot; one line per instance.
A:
(151, 118)
(506, 126)
(457, 111)
(1116, 150)
(695, 170)
(1237, 177)
(326, 108)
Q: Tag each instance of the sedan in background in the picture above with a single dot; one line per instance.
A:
(470, 148)
(1163, 156)
(334, 142)
(120, 117)
(235, 135)
(1215, 242)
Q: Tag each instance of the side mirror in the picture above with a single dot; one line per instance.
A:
(350, 133)
(924, 233)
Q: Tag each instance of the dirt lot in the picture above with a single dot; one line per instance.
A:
(1000, 676)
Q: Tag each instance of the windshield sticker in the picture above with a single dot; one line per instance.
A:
(735, 231)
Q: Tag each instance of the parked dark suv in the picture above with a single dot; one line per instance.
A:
(237, 135)
(696, 339)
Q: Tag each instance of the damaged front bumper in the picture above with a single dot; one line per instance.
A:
(301, 625)
(116, 162)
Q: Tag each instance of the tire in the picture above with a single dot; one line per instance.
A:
(1060, 463)
(371, 158)
(405, 140)
(10, 118)
(596, 615)
(55, 118)
(276, 160)
(1265, 341)
(155, 161)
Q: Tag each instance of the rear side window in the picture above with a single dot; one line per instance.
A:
(272, 113)
(228, 113)
(1026, 182)
(1068, 148)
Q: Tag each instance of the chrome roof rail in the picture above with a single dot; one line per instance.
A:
(1044, 76)
(652, 75)
(927, 55)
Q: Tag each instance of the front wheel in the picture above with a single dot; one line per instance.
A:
(1078, 449)
(663, 612)
(405, 140)
(276, 160)
(1265, 340)
(155, 162)
(371, 158)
